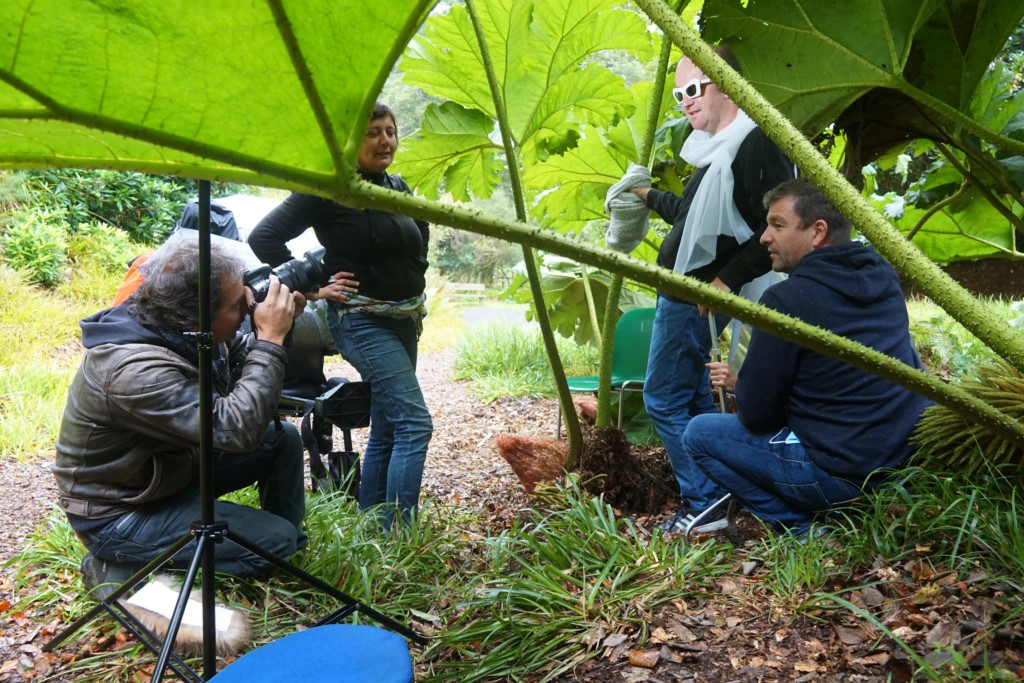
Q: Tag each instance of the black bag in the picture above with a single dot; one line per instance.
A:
(222, 220)
(342, 471)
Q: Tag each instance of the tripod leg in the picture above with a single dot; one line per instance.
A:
(106, 603)
(179, 609)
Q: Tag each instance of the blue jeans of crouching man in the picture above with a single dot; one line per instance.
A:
(772, 475)
(383, 350)
(677, 388)
(276, 467)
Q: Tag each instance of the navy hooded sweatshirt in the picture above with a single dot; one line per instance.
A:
(850, 421)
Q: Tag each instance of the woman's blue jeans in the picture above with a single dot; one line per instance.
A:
(276, 467)
(677, 388)
(771, 474)
(383, 350)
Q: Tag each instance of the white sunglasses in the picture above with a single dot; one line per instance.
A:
(694, 88)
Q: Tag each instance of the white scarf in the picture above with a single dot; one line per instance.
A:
(713, 212)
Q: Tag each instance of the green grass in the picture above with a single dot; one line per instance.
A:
(947, 348)
(508, 359)
(536, 599)
(443, 325)
(40, 353)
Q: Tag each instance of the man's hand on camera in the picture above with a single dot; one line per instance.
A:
(273, 317)
(340, 286)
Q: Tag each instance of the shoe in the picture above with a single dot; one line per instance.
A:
(102, 577)
(715, 518)
(676, 522)
(679, 520)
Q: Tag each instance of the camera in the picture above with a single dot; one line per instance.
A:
(302, 274)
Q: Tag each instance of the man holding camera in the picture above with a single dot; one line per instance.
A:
(811, 431)
(127, 464)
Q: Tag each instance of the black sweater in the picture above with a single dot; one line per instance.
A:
(758, 167)
(386, 252)
(851, 421)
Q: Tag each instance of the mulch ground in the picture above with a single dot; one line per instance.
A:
(724, 637)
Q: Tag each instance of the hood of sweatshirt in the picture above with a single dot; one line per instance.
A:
(852, 270)
(115, 326)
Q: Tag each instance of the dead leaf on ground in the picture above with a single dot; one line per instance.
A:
(647, 659)
(851, 636)
(681, 633)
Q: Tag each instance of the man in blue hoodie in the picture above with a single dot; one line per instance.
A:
(811, 431)
(127, 464)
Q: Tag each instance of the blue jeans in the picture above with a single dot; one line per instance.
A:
(276, 467)
(677, 388)
(383, 350)
(774, 478)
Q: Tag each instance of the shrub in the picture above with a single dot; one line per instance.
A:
(947, 348)
(104, 245)
(36, 244)
(144, 206)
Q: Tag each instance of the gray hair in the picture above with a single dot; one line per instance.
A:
(168, 298)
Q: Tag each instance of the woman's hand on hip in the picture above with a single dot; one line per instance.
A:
(339, 288)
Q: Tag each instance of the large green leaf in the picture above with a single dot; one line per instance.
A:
(813, 59)
(969, 228)
(255, 91)
(572, 185)
(429, 157)
(539, 50)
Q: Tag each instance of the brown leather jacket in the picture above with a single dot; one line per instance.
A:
(130, 432)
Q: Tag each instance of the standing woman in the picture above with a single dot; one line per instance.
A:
(383, 257)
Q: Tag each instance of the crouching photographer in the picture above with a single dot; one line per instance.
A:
(127, 464)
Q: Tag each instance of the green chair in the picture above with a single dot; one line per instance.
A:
(629, 359)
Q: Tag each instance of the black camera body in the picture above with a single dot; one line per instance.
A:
(300, 274)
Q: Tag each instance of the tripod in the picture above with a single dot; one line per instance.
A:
(207, 532)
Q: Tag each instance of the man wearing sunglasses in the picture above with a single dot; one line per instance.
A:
(716, 224)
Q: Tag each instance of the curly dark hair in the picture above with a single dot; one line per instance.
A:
(168, 297)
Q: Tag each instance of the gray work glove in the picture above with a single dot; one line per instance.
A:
(628, 215)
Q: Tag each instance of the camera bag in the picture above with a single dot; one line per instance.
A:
(342, 471)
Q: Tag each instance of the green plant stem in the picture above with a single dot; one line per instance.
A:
(367, 195)
(611, 310)
(935, 208)
(908, 260)
(572, 422)
(588, 292)
(604, 372)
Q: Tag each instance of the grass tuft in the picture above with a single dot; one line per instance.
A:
(508, 359)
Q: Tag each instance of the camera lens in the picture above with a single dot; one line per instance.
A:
(299, 275)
